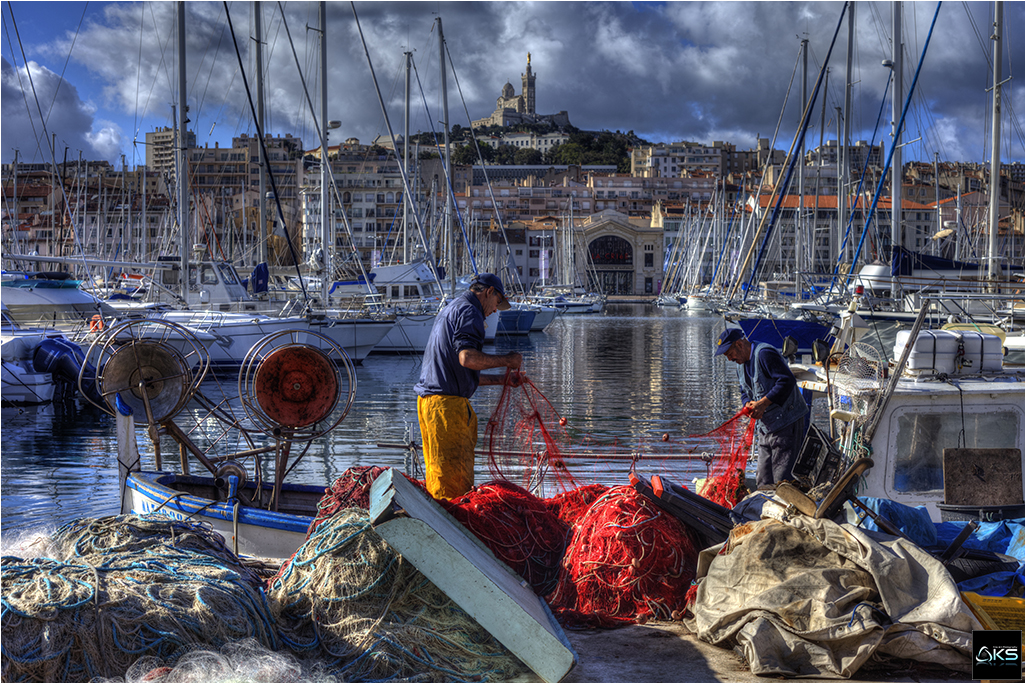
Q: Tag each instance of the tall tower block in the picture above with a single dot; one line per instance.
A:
(528, 87)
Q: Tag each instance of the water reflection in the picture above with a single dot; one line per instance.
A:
(622, 379)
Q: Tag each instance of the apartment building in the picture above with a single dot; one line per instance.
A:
(160, 148)
(543, 142)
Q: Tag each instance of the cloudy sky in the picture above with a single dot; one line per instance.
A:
(103, 74)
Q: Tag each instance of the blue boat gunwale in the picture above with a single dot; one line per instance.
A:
(158, 487)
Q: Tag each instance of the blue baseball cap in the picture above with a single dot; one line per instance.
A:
(492, 280)
(727, 338)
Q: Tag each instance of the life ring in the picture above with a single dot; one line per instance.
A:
(96, 323)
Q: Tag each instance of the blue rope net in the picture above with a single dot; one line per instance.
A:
(116, 589)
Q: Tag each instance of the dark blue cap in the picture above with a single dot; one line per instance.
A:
(492, 280)
(727, 338)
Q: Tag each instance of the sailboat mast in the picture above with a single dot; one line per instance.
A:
(897, 96)
(799, 225)
(407, 250)
(182, 182)
(447, 223)
(844, 179)
(14, 200)
(995, 151)
(327, 244)
(261, 200)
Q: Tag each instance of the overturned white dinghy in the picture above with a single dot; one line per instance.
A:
(413, 524)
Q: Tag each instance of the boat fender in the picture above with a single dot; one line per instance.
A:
(63, 359)
(122, 407)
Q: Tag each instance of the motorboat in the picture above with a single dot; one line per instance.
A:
(21, 384)
(941, 416)
(517, 320)
(37, 364)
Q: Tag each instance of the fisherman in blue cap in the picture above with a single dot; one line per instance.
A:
(771, 396)
(449, 376)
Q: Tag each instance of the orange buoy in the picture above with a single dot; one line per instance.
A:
(96, 323)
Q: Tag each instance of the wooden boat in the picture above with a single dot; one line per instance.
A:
(294, 386)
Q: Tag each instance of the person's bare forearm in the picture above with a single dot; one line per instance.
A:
(479, 361)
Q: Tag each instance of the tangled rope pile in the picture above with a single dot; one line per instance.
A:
(517, 527)
(348, 597)
(123, 587)
(351, 490)
(627, 561)
(570, 506)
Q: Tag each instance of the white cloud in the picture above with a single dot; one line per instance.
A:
(69, 118)
(686, 70)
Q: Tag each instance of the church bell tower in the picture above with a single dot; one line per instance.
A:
(528, 87)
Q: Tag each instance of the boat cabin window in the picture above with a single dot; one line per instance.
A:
(228, 274)
(410, 292)
(923, 436)
(208, 276)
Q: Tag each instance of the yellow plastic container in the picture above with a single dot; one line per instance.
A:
(996, 612)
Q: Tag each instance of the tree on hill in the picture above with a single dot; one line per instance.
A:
(528, 156)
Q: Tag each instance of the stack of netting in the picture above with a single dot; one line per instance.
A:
(351, 600)
(570, 506)
(627, 561)
(119, 588)
(237, 661)
(351, 490)
(517, 527)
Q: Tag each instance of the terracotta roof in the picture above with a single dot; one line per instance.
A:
(827, 202)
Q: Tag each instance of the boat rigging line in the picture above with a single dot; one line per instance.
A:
(50, 144)
(403, 172)
(263, 149)
(781, 187)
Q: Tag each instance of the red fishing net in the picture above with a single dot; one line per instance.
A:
(726, 482)
(570, 506)
(517, 527)
(627, 561)
(523, 438)
(351, 490)
(601, 556)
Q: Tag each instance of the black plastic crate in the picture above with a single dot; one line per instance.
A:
(818, 461)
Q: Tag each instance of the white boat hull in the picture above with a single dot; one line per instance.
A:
(409, 334)
(248, 530)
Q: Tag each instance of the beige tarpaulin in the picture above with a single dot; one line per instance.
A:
(801, 596)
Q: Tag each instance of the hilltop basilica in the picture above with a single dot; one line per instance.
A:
(512, 109)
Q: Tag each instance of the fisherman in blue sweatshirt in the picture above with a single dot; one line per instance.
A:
(770, 394)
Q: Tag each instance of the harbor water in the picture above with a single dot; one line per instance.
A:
(634, 383)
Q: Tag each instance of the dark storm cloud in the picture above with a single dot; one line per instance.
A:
(64, 113)
(699, 71)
